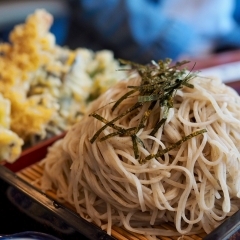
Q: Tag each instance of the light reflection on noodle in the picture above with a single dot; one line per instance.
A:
(195, 186)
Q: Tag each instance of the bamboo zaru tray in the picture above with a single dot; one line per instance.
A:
(27, 180)
(25, 174)
(32, 175)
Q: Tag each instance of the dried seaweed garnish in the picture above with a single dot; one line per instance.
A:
(159, 84)
(146, 115)
(122, 98)
(135, 146)
(111, 123)
(174, 145)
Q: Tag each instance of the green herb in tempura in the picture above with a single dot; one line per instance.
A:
(159, 83)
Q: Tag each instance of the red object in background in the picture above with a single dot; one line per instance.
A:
(235, 85)
(214, 60)
(217, 60)
(33, 154)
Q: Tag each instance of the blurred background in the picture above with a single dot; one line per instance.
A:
(139, 30)
(13, 12)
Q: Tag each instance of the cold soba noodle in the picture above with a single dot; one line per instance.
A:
(195, 184)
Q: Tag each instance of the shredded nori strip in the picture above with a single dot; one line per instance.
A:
(135, 146)
(159, 84)
(122, 98)
(174, 145)
(111, 123)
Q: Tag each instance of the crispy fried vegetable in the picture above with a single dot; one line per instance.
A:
(10, 142)
(50, 86)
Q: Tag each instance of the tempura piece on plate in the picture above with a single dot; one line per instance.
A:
(10, 143)
(50, 86)
(26, 52)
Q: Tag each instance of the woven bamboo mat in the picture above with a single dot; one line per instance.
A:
(32, 175)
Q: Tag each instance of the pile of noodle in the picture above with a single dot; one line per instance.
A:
(194, 186)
